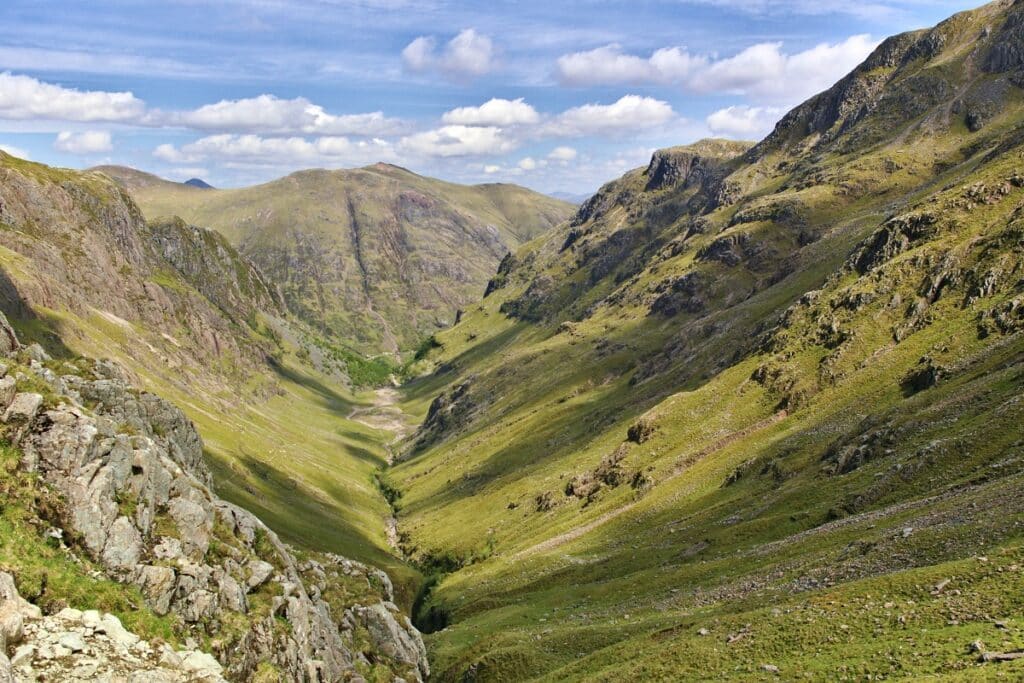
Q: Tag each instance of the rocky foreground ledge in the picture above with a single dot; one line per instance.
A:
(87, 646)
(134, 492)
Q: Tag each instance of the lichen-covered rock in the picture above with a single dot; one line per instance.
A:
(85, 646)
(129, 469)
(391, 632)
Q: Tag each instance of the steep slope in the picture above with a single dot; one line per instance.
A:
(791, 420)
(195, 322)
(116, 477)
(377, 257)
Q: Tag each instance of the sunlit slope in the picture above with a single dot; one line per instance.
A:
(751, 406)
(379, 257)
(196, 323)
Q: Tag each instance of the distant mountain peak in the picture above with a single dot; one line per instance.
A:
(198, 182)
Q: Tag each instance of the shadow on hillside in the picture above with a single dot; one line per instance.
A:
(428, 387)
(330, 397)
(30, 327)
(294, 510)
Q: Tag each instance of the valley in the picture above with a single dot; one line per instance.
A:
(753, 411)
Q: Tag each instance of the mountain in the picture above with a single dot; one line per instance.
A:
(754, 411)
(190, 319)
(377, 258)
(198, 183)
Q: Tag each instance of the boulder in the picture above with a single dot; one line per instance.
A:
(157, 584)
(23, 408)
(401, 642)
(259, 573)
(8, 388)
(124, 545)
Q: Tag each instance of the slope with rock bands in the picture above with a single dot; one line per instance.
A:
(793, 401)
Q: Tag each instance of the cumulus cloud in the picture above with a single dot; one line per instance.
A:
(763, 70)
(454, 141)
(87, 142)
(608, 65)
(15, 151)
(631, 113)
(744, 122)
(491, 169)
(494, 112)
(563, 154)
(257, 150)
(268, 114)
(23, 97)
(467, 55)
(26, 98)
(528, 164)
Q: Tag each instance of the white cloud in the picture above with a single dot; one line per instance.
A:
(23, 97)
(15, 151)
(453, 141)
(467, 55)
(527, 164)
(418, 56)
(609, 65)
(257, 150)
(748, 123)
(86, 142)
(268, 114)
(763, 70)
(630, 113)
(494, 112)
(491, 169)
(562, 154)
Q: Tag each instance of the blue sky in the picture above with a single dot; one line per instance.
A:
(558, 96)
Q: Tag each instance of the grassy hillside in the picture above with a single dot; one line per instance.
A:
(789, 440)
(82, 273)
(378, 258)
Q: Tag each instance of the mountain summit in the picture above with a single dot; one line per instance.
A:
(377, 257)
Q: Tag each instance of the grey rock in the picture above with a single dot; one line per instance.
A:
(232, 596)
(200, 663)
(23, 655)
(401, 642)
(8, 388)
(8, 339)
(6, 672)
(195, 525)
(72, 641)
(259, 573)
(23, 408)
(157, 584)
(123, 546)
(12, 624)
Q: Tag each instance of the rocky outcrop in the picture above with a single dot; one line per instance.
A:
(84, 248)
(89, 646)
(217, 270)
(130, 469)
(447, 413)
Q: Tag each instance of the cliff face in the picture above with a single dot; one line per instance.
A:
(136, 495)
(77, 244)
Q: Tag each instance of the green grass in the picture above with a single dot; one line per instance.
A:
(50, 576)
(740, 515)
